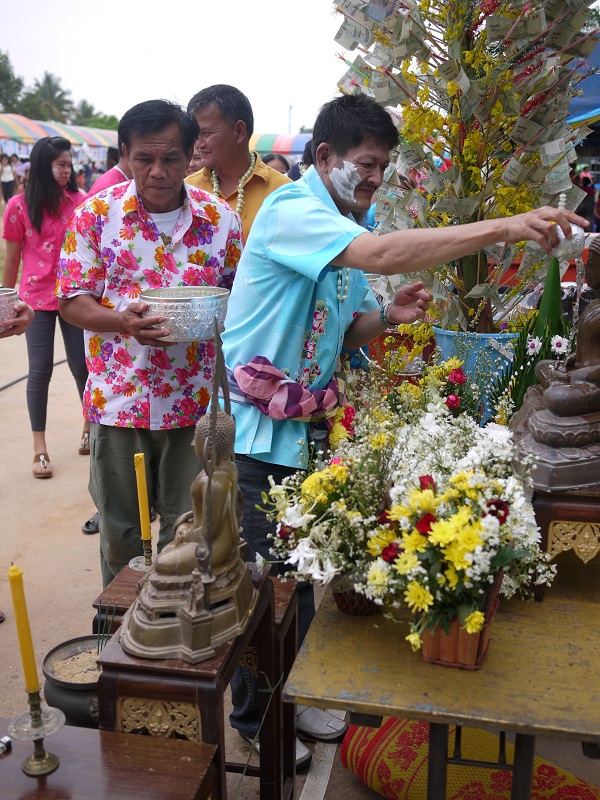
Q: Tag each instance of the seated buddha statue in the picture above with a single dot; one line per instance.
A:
(210, 535)
(572, 388)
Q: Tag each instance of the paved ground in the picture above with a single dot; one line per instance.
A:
(41, 522)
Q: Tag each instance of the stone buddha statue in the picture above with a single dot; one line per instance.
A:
(210, 534)
(558, 426)
(573, 387)
(198, 592)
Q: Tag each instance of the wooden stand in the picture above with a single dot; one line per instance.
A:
(104, 765)
(568, 521)
(172, 698)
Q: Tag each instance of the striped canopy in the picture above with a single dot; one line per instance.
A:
(284, 143)
(21, 129)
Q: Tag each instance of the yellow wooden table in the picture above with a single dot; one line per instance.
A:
(540, 676)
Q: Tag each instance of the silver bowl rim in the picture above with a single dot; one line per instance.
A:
(194, 295)
(6, 291)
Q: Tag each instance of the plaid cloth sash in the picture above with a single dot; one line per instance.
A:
(277, 396)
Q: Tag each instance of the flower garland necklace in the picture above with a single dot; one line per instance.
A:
(240, 187)
(343, 294)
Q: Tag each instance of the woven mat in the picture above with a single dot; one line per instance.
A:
(392, 760)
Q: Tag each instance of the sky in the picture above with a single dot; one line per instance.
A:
(115, 54)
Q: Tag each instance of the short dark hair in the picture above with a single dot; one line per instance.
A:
(307, 156)
(346, 121)
(232, 104)
(154, 116)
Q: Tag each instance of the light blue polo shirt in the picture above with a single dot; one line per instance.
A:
(284, 305)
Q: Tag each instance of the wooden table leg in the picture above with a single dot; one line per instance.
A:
(523, 767)
(270, 764)
(438, 759)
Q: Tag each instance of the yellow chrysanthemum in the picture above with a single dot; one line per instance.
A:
(452, 577)
(414, 640)
(422, 501)
(417, 597)
(377, 580)
(337, 435)
(406, 562)
(474, 622)
(414, 542)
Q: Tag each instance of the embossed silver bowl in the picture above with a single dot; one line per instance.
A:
(188, 310)
(8, 298)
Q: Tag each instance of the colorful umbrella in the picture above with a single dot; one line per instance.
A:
(20, 129)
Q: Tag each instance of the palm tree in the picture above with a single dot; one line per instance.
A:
(83, 114)
(47, 100)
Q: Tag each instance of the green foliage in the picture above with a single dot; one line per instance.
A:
(11, 85)
(107, 122)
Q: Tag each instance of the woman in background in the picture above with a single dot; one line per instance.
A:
(278, 162)
(8, 179)
(35, 223)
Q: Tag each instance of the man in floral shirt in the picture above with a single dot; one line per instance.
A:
(144, 395)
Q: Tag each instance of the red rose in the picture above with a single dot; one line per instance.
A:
(498, 508)
(285, 532)
(457, 376)
(391, 552)
(427, 482)
(425, 523)
(453, 401)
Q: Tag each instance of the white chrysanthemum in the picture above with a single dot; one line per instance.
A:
(559, 345)
(534, 345)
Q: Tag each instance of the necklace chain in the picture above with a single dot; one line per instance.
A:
(343, 294)
(240, 187)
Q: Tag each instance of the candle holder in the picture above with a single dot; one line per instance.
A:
(143, 562)
(33, 726)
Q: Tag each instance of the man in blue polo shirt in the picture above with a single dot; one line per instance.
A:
(300, 295)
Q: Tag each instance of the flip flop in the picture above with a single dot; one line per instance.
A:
(2, 616)
(92, 525)
(42, 468)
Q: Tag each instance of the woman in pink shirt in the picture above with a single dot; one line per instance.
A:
(34, 228)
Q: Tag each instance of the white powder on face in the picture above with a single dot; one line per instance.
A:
(345, 181)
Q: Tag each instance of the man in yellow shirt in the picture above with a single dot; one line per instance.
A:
(230, 170)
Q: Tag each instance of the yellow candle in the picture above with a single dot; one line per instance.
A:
(140, 477)
(15, 577)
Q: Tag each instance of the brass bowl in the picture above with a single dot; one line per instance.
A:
(189, 311)
(8, 298)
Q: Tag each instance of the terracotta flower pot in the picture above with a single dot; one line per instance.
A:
(457, 648)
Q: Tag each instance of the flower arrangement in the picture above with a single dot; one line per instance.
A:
(481, 91)
(419, 507)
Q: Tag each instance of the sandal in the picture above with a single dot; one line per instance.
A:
(84, 445)
(2, 616)
(42, 468)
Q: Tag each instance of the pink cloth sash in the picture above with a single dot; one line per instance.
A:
(279, 397)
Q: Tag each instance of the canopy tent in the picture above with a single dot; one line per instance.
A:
(287, 144)
(585, 108)
(19, 129)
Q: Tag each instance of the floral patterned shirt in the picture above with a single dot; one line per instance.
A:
(113, 251)
(39, 251)
(289, 305)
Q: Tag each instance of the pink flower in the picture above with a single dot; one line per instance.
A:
(122, 357)
(453, 401)
(160, 359)
(457, 376)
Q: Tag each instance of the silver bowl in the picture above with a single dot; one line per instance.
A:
(189, 311)
(8, 298)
